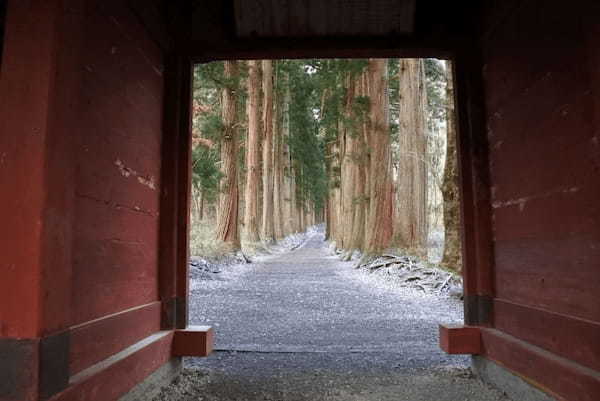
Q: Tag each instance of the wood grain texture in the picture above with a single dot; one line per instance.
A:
(193, 341)
(542, 129)
(94, 341)
(111, 378)
(460, 339)
(558, 376)
(116, 216)
(474, 178)
(307, 18)
(37, 168)
(571, 338)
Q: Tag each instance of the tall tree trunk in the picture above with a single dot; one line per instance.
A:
(336, 191)
(227, 220)
(267, 215)
(358, 226)
(348, 168)
(452, 245)
(287, 164)
(278, 229)
(294, 214)
(253, 155)
(379, 217)
(411, 192)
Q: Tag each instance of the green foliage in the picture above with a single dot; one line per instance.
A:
(436, 91)
(318, 91)
(307, 147)
(207, 122)
(205, 172)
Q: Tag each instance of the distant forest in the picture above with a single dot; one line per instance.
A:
(365, 146)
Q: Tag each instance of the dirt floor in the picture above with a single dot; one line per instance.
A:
(301, 325)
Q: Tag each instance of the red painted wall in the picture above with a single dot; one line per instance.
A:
(81, 123)
(542, 85)
(117, 179)
(118, 166)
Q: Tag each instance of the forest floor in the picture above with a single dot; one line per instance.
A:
(302, 325)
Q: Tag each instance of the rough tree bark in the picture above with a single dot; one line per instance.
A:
(227, 220)
(278, 230)
(253, 156)
(379, 220)
(288, 179)
(452, 245)
(267, 215)
(349, 167)
(411, 189)
(335, 197)
(360, 201)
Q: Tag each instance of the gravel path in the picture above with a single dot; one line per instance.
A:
(302, 325)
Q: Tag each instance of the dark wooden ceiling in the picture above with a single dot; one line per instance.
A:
(220, 29)
(310, 18)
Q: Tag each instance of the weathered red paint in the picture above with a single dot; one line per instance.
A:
(81, 128)
(567, 336)
(83, 135)
(118, 180)
(169, 193)
(460, 339)
(35, 167)
(193, 341)
(110, 382)
(99, 339)
(558, 376)
(541, 84)
(184, 179)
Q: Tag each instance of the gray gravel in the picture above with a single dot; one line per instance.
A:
(302, 325)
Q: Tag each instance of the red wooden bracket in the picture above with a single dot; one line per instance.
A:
(193, 341)
(460, 339)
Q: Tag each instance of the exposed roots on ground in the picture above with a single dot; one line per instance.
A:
(405, 271)
(410, 271)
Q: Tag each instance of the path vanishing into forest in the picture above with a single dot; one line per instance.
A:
(302, 325)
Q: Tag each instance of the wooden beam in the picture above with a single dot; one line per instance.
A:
(309, 18)
(175, 192)
(460, 339)
(94, 341)
(561, 377)
(472, 147)
(169, 193)
(184, 189)
(193, 341)
(112, 377)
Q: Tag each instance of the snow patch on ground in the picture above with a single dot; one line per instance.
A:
(215, 272)
(441, 308)
(437, 292)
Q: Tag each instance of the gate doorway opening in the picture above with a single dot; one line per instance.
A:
(366, 147)
(317, 228)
